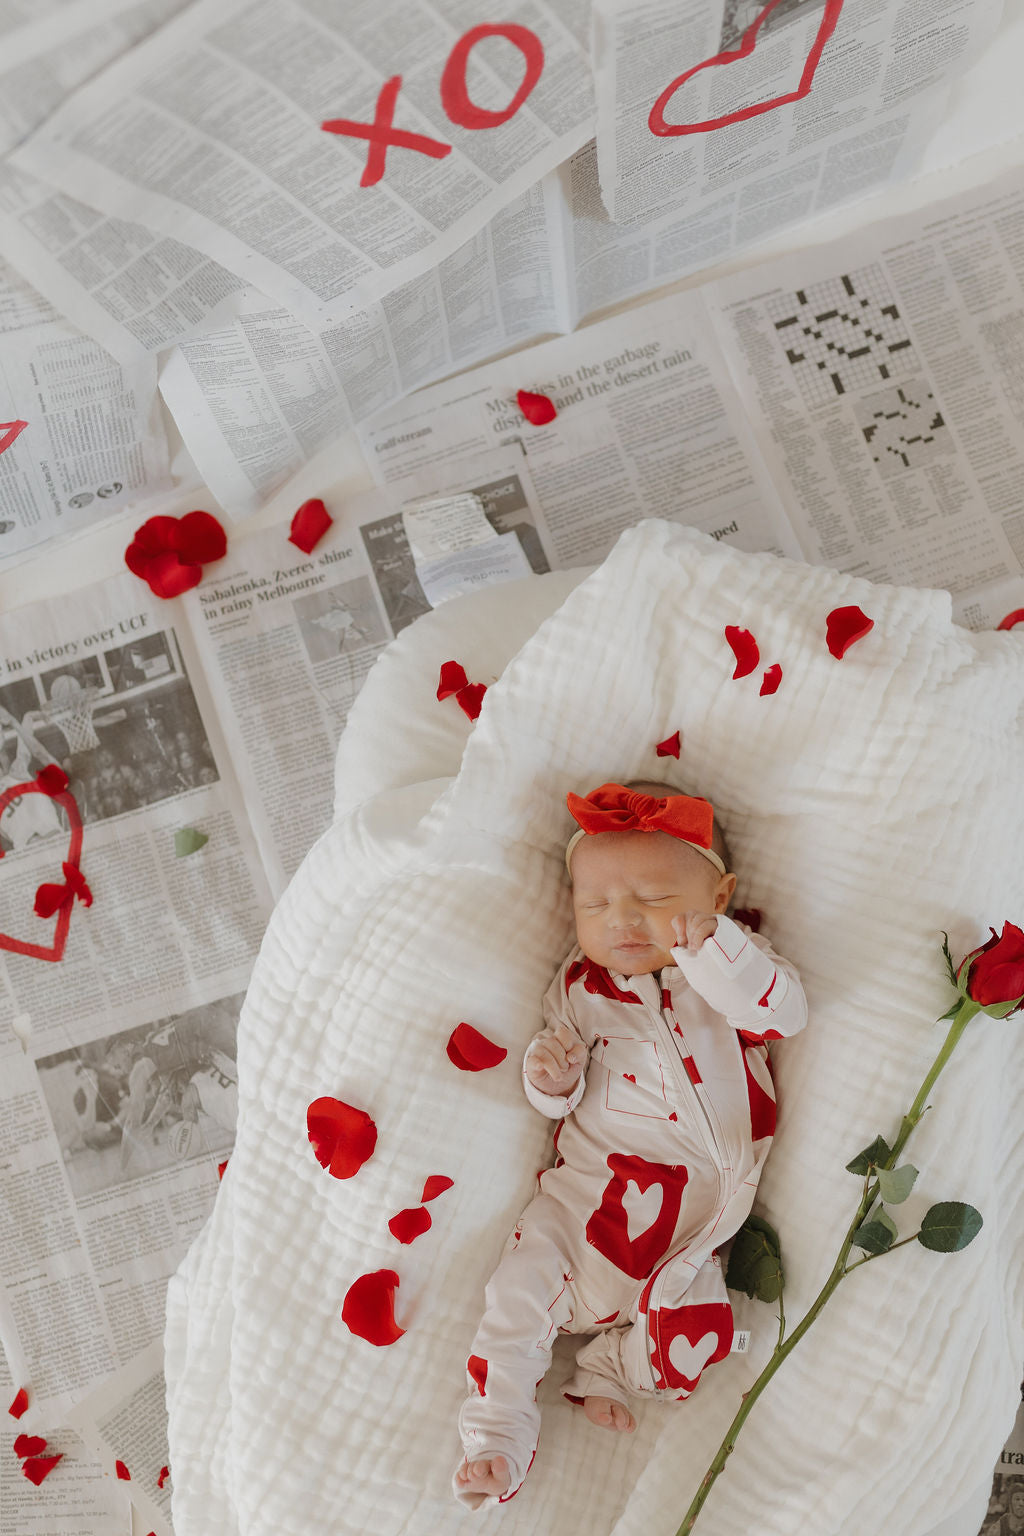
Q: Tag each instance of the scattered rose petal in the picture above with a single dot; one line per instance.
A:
(122, 1471)
(771, 680)
(750, 915)
(169, 552)
(9, 430)
(436, 1185)
(50, 898)
(309, 525)
(471, 1051)
(453, 677)
(38, 1467)
(476, 1365)
(669, 747)
(19, 1405)
(368, 1310)
(221, 1167)
(744, 648)
(537, 409)
(844, 627)
(470, 699)
(341, 1136)
(409, 1224)
(1011, 619)
(165, 1473)
(52, 780)
(29, 1445)
(188, 840)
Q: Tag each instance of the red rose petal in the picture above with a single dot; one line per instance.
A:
(19, 1405)
(771, 680)
(1016, 617)
(168, 576)
(201, 538)
(52, 780)
(476, 1365)
(309, 525)
(341, 1136)
(409, 1224)
(744, 648)
(156, 536)
(165, 1473)
(471, 1051)
(38, 1467)
(436, 1185)
(537, 409)
(471, 698)
(221, 1167)
(122, 1471)
(844, 627)
(453, 677)
(29, 1445)
(750, 915)
(368, 1310)
(669, 747)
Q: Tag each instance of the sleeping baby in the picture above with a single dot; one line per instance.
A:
(655, 1063)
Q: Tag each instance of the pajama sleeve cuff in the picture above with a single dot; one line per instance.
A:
(555, 1106)
(757, 991)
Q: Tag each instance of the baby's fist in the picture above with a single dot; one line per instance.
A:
(555, 1061)
(692, 930)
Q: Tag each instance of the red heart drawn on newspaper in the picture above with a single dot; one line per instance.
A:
(656, 120)
(55, 950)
(9, 430)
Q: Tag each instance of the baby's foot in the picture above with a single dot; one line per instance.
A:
(490, 1476)
(609, 1413)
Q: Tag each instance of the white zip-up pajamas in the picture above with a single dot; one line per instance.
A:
(658, 1154)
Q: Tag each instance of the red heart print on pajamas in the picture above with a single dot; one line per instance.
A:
(608, 1229)
(684, 1340)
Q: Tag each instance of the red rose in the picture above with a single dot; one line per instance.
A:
(993, 975)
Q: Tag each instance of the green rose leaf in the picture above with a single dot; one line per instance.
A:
(950, 967)
(876, 1235)
(871, 1156)
(188, 840)
(895, 1185)
(755, 1262)
(949, 1226)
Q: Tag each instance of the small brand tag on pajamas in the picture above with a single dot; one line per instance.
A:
(740, 1341)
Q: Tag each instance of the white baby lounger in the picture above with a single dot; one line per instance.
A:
(870, 803)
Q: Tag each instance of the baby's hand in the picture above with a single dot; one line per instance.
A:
(556, 1061)
(693, 929)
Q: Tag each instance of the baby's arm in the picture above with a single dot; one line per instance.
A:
(742, 977)
(554, 1068)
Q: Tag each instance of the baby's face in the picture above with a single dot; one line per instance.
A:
(628, 886)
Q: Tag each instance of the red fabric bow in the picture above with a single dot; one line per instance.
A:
(614, 808)
(50, 898)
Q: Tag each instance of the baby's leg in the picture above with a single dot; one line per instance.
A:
(683, 1323)
(527, 1300)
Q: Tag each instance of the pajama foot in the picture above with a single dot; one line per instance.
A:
(608, 1413)
(491, 1476)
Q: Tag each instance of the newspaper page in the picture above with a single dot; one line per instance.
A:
(47, 50)
(1005, 1515)
(80, 436)
(125, 1420)
(255, 400)
(211, 132)
(76, 1499)
(799, 105)
(118, 1088)
(884, 379)
(286, 640)
(648, 425)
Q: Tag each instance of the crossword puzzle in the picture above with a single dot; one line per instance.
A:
(903, 427)
(842, 335)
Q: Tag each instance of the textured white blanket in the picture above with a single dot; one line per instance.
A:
(870, 803)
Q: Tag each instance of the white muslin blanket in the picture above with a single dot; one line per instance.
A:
(870, 803)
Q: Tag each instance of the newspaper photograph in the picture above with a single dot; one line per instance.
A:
(648, 425)
(80, 436)
(229, 99)
(859, 91)
(883, 375)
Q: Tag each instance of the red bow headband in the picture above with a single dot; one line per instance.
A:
(614, 808)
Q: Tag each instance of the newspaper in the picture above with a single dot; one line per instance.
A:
(118, 1086)
(211, 132)
(256, 399)
(80, 436)
(1005, 1515)
(807, 104)
(46, 50)
(125, 1420)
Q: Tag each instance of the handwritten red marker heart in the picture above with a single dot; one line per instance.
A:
(1011, 620)
(342, 1137)
(9, 430)
(656, 119)
(64, 797)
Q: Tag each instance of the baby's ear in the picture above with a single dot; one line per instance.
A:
(726, 887)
